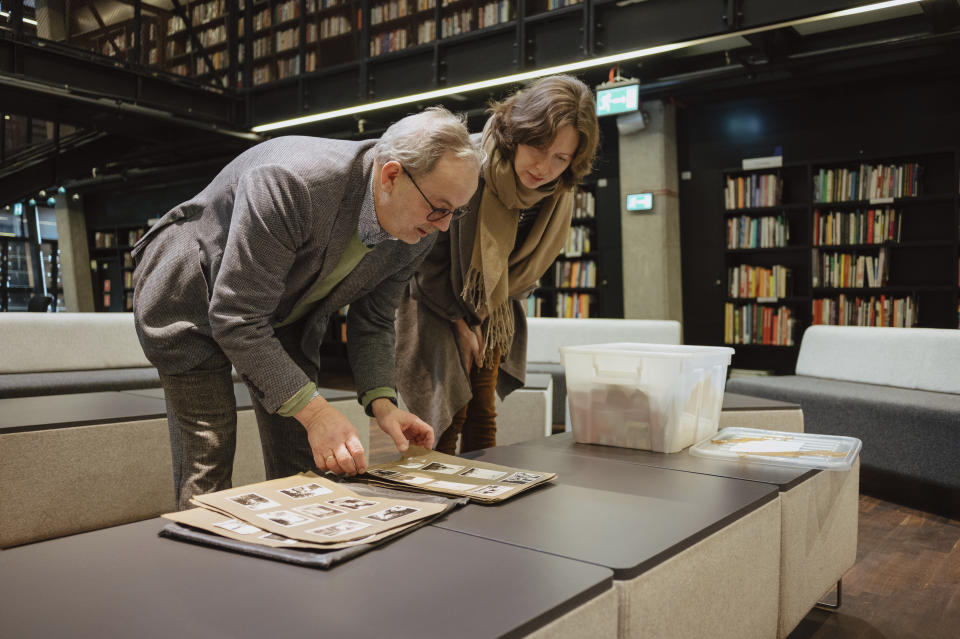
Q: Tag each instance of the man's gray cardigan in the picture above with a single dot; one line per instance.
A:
(220, 269)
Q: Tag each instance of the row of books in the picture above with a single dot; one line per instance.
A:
(746, 281)
(758, 324)
(867, 182)
(578, 274)
(287, 39)
(861, 311)
(752, 191)
(288, 68)
(108, 239)
(460, 22)
(289, 10)
(493, 13)
(873, 226)
(220, 60)
(426, 31)
(574, 304)
(584, 205)
(389, 11)
(844, 270)
(556, 4)
(578, 241)
(757, 232)
(388, 41)
(330, 27)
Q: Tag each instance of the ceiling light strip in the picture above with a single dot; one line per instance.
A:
(566, 68)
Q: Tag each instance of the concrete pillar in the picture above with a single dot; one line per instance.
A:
(651, 239)
(74, 255)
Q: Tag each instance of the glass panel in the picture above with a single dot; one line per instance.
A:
(19, 265)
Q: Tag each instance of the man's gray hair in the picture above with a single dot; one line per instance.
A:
(418, 141)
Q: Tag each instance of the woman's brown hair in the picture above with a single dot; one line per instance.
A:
(534, 114)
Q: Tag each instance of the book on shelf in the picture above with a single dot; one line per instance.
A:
(584, 205)
(753, 191)
(745, 232)
(574, 304)
(867, 182)
(746, 281)
(862, 311)
(577, 274)
(873, 226)
(758, 324)
(845, 270)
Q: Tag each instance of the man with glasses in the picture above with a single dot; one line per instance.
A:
(247, 273)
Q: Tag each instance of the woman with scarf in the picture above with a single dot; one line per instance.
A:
(461, 329)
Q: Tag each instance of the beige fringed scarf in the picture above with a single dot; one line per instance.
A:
(494, 275)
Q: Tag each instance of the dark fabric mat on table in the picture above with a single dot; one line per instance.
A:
(314, 558)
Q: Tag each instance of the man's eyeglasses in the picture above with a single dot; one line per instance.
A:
(436, 214)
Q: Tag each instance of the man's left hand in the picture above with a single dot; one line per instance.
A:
(404, 428)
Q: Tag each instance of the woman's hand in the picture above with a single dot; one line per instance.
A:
(470, 342)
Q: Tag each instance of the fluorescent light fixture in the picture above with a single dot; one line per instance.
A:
(5, 14)
(565, 68)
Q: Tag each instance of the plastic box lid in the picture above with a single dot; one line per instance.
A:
(778, 448)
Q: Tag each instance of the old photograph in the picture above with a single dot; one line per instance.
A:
(280, 538)
(483, 473)
(353, 503)
(285, 518)
(392, 513)
(319, 511)
(437, 467)
(253, 501)
(450, 485)
(416, 480)
(521, 477)
(307, 490)
(383, 472)
(491, 490)
(339, 528)
(239, 527)
(413, 462)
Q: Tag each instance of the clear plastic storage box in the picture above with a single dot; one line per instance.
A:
(777, 448)
(647, 396)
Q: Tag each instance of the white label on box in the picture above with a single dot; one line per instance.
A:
(881, 200)
(767, 446)
(770, 161)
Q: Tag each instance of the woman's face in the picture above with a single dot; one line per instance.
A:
(538, 166)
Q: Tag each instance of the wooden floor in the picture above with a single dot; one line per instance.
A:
(905, 584)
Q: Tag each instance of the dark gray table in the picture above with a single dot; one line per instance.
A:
(623, 516)
(781, 476)
(79, 409)
(128, 582)
(242, 393)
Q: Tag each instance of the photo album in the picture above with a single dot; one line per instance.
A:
(302, 511)
(433, 472)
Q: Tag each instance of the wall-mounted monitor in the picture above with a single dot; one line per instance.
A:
(640, 202)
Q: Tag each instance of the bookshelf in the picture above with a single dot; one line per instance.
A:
(111, 266)
(575, 284)
(850, 241)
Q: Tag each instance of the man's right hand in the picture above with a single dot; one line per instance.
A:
(333, 439)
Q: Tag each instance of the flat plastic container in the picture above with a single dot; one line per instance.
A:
(655, 397)
(778, 448)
